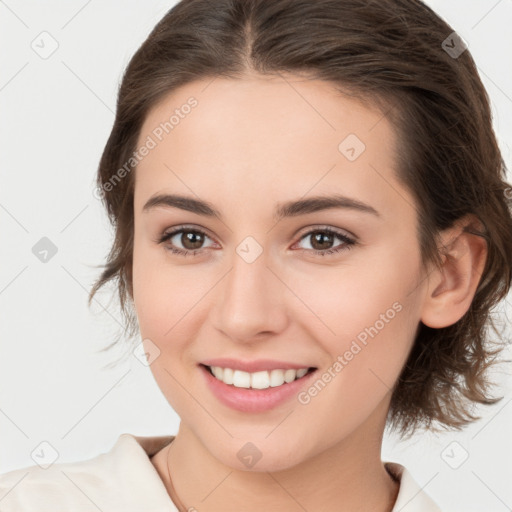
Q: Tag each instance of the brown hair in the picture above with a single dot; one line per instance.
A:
(385, 52)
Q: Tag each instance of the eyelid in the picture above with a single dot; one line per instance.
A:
(348, 241)
(319, 227)
(306, 230)
(184, 227)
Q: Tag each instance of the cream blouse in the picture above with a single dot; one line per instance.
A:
(125, 480)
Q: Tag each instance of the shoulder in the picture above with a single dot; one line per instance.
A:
(122, 479)
(411, 497)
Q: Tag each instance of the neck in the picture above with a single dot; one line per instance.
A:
(349, 476)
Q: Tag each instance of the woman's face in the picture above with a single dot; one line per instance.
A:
(266, 281)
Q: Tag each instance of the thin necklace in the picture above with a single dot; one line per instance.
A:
(174, 497)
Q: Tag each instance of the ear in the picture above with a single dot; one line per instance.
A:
(452, 287)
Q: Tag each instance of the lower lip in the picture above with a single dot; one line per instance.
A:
(254, 400)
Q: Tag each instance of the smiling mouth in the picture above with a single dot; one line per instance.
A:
(257, 380)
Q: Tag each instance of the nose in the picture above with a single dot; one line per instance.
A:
(251, 301)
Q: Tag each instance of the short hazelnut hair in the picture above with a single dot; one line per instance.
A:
(393, 53)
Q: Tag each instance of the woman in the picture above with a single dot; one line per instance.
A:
(312, 225)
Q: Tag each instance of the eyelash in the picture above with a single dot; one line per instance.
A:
(347, 245)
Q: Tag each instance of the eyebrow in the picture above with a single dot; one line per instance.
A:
(282, 210)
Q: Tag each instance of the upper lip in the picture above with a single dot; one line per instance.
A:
(257, 365)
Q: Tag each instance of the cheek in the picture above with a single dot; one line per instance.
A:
(154, 297)
(347, 301)
(168, 307)
(366, 358)
(364, 316)
(373, 353)
(167, 297)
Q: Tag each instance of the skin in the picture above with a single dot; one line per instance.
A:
(248, 145)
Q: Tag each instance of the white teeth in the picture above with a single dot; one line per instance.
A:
(276, 378)
(260, 380)
(289, 375)
(217, 371)
(302, 372)
(257, 380)
(227, 376)
(241, 379)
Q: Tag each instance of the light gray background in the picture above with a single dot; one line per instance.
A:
(56, 115)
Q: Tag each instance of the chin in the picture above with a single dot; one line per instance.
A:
(257, 456)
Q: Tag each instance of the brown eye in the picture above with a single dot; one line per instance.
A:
(190, 240)
(322, 240)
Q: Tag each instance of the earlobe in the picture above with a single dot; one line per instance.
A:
(452, 287)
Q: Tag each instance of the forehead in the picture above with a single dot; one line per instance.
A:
(269, 134)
